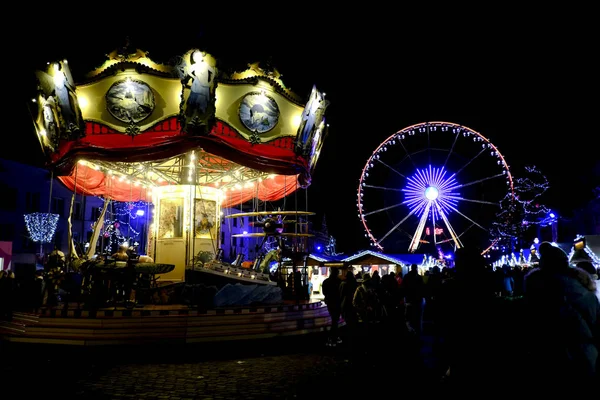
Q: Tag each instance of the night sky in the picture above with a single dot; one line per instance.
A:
(531, 88)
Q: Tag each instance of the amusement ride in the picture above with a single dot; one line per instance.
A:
(431, 187)
(134, 130)
(197, 145)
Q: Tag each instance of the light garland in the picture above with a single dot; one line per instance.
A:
(583, 253)
(524, 209)
(118, 220)
(41, 226)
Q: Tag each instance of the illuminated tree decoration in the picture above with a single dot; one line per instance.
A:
(41, 226)
(517, 214)
(123, 223)
(533, 256)
(582, 252)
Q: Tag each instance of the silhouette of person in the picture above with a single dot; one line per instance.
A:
(331, 291)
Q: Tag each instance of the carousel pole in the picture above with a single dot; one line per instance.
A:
(49, 209)
(129, 212)
(193, 219)
(70, 233)
(147, 223)
(255, 207)
(293, 240)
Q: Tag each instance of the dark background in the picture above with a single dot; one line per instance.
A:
(525, 79)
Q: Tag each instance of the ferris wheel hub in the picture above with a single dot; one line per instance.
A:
(431, 193)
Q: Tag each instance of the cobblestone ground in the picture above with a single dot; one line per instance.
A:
(286, 368)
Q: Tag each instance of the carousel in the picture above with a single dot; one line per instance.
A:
(195, 144)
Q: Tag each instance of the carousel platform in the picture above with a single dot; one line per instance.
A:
(164, 324)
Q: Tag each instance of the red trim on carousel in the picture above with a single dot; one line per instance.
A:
(165, 140)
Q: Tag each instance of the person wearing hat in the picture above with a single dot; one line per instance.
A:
(365, 300)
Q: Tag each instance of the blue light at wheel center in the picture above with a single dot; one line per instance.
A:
(431, 193)
(431, 188)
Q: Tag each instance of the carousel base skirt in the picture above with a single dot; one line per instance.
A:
(164, 324)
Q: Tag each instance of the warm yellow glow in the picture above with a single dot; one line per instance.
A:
(59, 78)
(139, 57)
(296, 120)
(83, 102)
(43, 132)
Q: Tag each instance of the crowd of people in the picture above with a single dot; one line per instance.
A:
(542, 320)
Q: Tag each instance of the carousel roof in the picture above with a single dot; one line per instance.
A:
(133, 121)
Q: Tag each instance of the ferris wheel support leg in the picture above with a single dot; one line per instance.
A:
(455, 238)
(414, 243)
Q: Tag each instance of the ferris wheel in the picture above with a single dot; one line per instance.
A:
(433, 186)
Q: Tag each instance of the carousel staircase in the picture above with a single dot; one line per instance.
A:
(164, 325)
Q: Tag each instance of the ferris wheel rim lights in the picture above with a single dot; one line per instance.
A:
(430, 192)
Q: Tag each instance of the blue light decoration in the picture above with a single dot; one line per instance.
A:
(123, 223)
(520, 212)
(41, 226)
(431, 195)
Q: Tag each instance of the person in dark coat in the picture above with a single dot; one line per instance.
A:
(564, 319)
(331, 291)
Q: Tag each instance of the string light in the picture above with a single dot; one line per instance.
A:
(583, 253)
(41, 226)
(118, 226)
(519, 212)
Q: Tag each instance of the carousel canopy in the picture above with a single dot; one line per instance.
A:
(133, 124)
